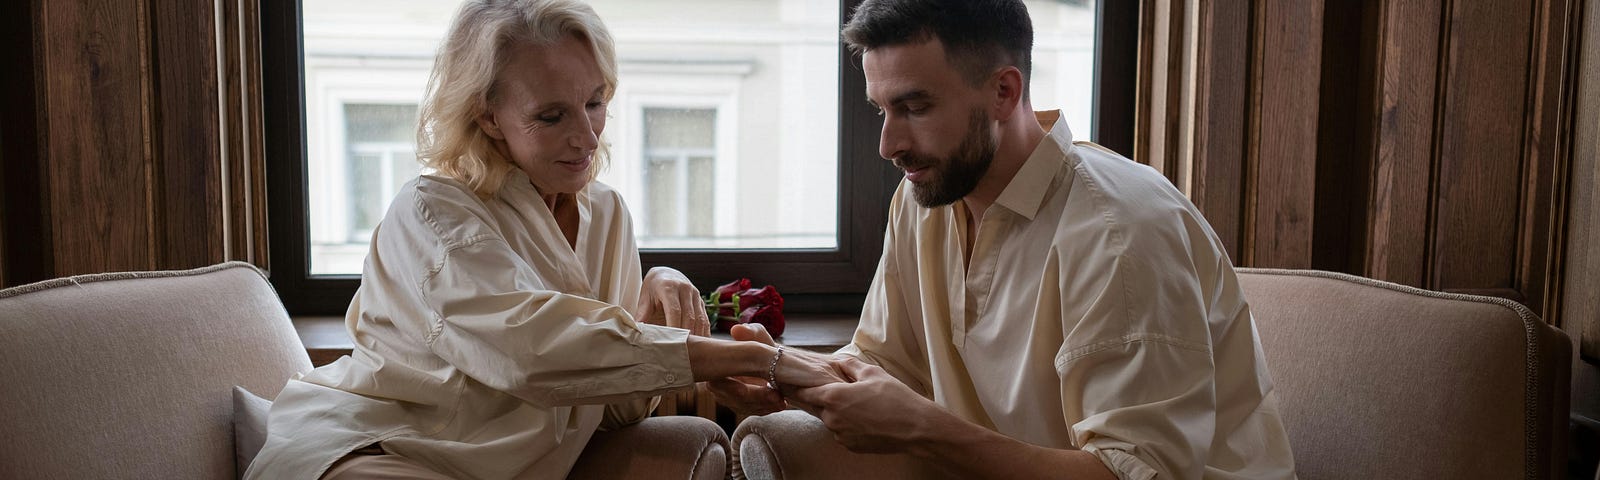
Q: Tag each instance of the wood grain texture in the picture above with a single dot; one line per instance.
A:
(1546, 157)
(1581, 307)
(244, 221)
(187, 177)
(1403, 140)
(1481, 130)
(1282, 160)
(1222, 67)
(97, 134)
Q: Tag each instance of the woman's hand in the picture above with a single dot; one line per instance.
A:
(669, 299)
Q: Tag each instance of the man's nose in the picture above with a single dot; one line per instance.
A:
(895, 140)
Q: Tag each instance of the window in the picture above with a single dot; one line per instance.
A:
(740, 135)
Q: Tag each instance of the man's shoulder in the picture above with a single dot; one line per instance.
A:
(1131, 203)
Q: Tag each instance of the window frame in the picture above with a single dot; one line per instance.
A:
(813, 280)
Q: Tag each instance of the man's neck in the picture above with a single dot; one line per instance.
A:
(1019, 136)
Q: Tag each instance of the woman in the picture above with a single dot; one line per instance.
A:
(490, 335)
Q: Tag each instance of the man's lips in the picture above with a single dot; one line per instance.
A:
(915, 173)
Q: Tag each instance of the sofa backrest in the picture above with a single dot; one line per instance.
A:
(1377, 380)
(130, 375)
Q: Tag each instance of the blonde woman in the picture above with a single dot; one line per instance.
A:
(501, 318)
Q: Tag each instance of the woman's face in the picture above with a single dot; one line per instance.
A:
(548, 112)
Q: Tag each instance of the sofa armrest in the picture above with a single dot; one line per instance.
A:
(678, 447)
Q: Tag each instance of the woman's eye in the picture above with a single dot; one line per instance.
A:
(596, 104)
(549, 118)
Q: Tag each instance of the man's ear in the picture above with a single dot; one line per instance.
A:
(490, 127)
(1008, 91)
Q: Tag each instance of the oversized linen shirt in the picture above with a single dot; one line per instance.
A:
(485, 345)
(1098, 311)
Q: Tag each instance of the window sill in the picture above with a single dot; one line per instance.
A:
(326, 340)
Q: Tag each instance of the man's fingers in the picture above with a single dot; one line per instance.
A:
(853, 367)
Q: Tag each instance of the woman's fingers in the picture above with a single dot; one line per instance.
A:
(694, 311)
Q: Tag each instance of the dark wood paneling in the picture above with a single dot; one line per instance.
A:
(187, 187)
(1343, 140)
(1406, 69)
(244, 189)
(1546, 156)
(1222, 69)
(1283, 155)
(1581, 307)
(96, 109)
(24, 227)
(1481, 131)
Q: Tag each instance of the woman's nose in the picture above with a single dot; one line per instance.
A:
(584, 135)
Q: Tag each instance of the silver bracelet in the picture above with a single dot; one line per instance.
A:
(772, 370)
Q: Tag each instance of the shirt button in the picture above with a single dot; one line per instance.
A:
(672, 377)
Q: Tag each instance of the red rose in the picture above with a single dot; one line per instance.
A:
(759, 296)
(736, 286)
(770, 316)
(720, 302)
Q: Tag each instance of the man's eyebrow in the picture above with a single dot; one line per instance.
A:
(913, 95)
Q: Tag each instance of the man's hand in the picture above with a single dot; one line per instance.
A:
(873, 413)
(668, 298)
(747, 395)
(752, 395)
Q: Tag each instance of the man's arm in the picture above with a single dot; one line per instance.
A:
(874, 413)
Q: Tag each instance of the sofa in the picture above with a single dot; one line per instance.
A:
(1374, 380)
(156, 375)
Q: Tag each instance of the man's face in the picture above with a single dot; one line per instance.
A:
(935, 126)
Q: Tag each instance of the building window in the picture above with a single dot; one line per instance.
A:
(740, 133)
(679, 167)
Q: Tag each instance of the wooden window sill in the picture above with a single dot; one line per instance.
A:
(326, 340)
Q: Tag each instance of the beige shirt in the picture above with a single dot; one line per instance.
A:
(1099, 312)
(485, 346)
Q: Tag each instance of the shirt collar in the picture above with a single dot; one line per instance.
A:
(1028, 188)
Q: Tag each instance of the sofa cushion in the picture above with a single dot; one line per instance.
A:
(1378, 380)
(130, 375)
(249, 426)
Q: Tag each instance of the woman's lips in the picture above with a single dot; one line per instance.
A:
(577, 165)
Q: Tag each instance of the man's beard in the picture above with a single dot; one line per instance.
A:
(958, 174)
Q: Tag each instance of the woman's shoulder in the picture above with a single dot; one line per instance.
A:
(443, 204)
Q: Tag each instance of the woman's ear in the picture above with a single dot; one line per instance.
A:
(490, 127)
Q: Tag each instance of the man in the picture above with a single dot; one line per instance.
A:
(1042, 308)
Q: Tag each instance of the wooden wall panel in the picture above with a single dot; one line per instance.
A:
(187, 200)
(1222, 70)
(128, 137)
(1406, 58)
(23, 213)
(1282, 162)
(1581, 308)
(1480, 134)
(98, 135)
(1416, 141)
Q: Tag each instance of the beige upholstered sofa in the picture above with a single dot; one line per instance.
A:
(131, 375)
(1375, 380)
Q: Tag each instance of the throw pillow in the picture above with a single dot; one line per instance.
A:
(249, 426)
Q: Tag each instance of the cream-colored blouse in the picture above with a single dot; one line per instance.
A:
(485, 345)
(1099, 312)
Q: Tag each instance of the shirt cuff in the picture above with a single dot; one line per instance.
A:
(1123, 464)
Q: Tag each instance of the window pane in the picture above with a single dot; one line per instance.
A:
(746, 90)
(1063, 60)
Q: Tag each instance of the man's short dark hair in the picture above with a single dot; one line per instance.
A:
(979, 36)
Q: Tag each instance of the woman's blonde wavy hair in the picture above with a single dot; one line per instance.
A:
(461, 86)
